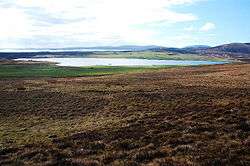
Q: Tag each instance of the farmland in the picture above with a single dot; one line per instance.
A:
(29, 70)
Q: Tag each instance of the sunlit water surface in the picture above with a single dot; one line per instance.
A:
(82, 62)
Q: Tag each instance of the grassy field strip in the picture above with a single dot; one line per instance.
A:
(43, 70)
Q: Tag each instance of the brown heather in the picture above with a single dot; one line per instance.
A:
(176, 116)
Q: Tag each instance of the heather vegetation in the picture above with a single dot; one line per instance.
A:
(175, 116)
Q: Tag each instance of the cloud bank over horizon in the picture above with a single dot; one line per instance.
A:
(63, 23)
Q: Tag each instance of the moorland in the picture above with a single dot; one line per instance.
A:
(188, 115)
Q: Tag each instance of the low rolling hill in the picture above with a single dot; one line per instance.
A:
(233, 50)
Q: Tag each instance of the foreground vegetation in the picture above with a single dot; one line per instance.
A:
(176, 116)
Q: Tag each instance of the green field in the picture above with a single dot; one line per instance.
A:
(50, 70)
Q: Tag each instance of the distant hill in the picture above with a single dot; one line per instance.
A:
(234, 50)
(197, 47)
(84, 49)
(188, 49)
(125, 48)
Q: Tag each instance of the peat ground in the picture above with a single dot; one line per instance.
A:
(175, 116)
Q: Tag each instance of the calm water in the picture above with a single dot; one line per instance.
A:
(80, 62)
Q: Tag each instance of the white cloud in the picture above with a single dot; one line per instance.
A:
(190, 28)
(14, 23)
(86, 21)
(207, 27)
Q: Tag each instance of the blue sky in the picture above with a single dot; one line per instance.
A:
(172, 23)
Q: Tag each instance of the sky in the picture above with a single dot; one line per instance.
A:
(87, 23)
